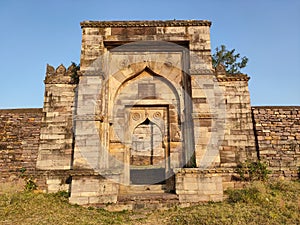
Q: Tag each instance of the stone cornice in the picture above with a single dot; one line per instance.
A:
(23, 110)
(58, 79)
(154, 23)
(237, 77)
(285, 107)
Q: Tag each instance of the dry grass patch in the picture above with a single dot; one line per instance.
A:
(259, 203)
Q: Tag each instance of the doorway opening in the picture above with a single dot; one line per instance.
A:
(148, 152)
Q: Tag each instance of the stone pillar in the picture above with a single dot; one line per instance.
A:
(208, 117)
(204, 97)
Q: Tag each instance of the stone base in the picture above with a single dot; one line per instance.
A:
(93, 190)
(195, 185)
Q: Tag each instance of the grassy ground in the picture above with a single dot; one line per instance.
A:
(260, 203)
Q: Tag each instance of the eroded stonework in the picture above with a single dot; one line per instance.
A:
(148, 103)
(150, 115)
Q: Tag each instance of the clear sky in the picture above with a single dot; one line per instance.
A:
(35, 32)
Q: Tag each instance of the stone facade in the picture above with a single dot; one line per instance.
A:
(146, 113)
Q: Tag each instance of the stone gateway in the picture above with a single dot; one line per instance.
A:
(146, 113)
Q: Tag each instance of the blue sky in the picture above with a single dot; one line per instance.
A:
(34, 33)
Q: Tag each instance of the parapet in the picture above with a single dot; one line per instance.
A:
(60, 75)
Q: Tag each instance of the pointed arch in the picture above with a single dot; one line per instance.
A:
(150, 120)
(152, 73)
(119, 94)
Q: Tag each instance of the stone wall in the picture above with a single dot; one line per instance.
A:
(277, 130)
(19, 141)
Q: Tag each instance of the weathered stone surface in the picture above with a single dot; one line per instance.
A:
(153, 104)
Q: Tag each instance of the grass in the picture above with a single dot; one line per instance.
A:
(259, 203)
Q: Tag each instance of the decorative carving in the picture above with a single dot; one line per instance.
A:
(220, 69)
(124, 63)
(157, 115)
(71, 68)
(60, 75)
(177, 136)
(135, 116)
(237, 77)
(61, 70)
(168, 64)
(50, 70)
(55, 80)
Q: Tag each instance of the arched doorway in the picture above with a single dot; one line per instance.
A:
(146, 101)
(149, 145)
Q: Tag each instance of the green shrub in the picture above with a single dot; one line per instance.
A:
(253, 171)
(62, 194)
(246, 195)
(30, 185)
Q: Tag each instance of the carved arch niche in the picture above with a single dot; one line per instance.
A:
(146, 96)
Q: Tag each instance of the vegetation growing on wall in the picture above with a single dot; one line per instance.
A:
(74, 75)
(232, 61)
(30, 184)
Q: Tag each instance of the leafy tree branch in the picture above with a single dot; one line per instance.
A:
(233, 62)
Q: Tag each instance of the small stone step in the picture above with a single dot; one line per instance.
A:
(141, 189)
(145, 202)
(151, 197)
